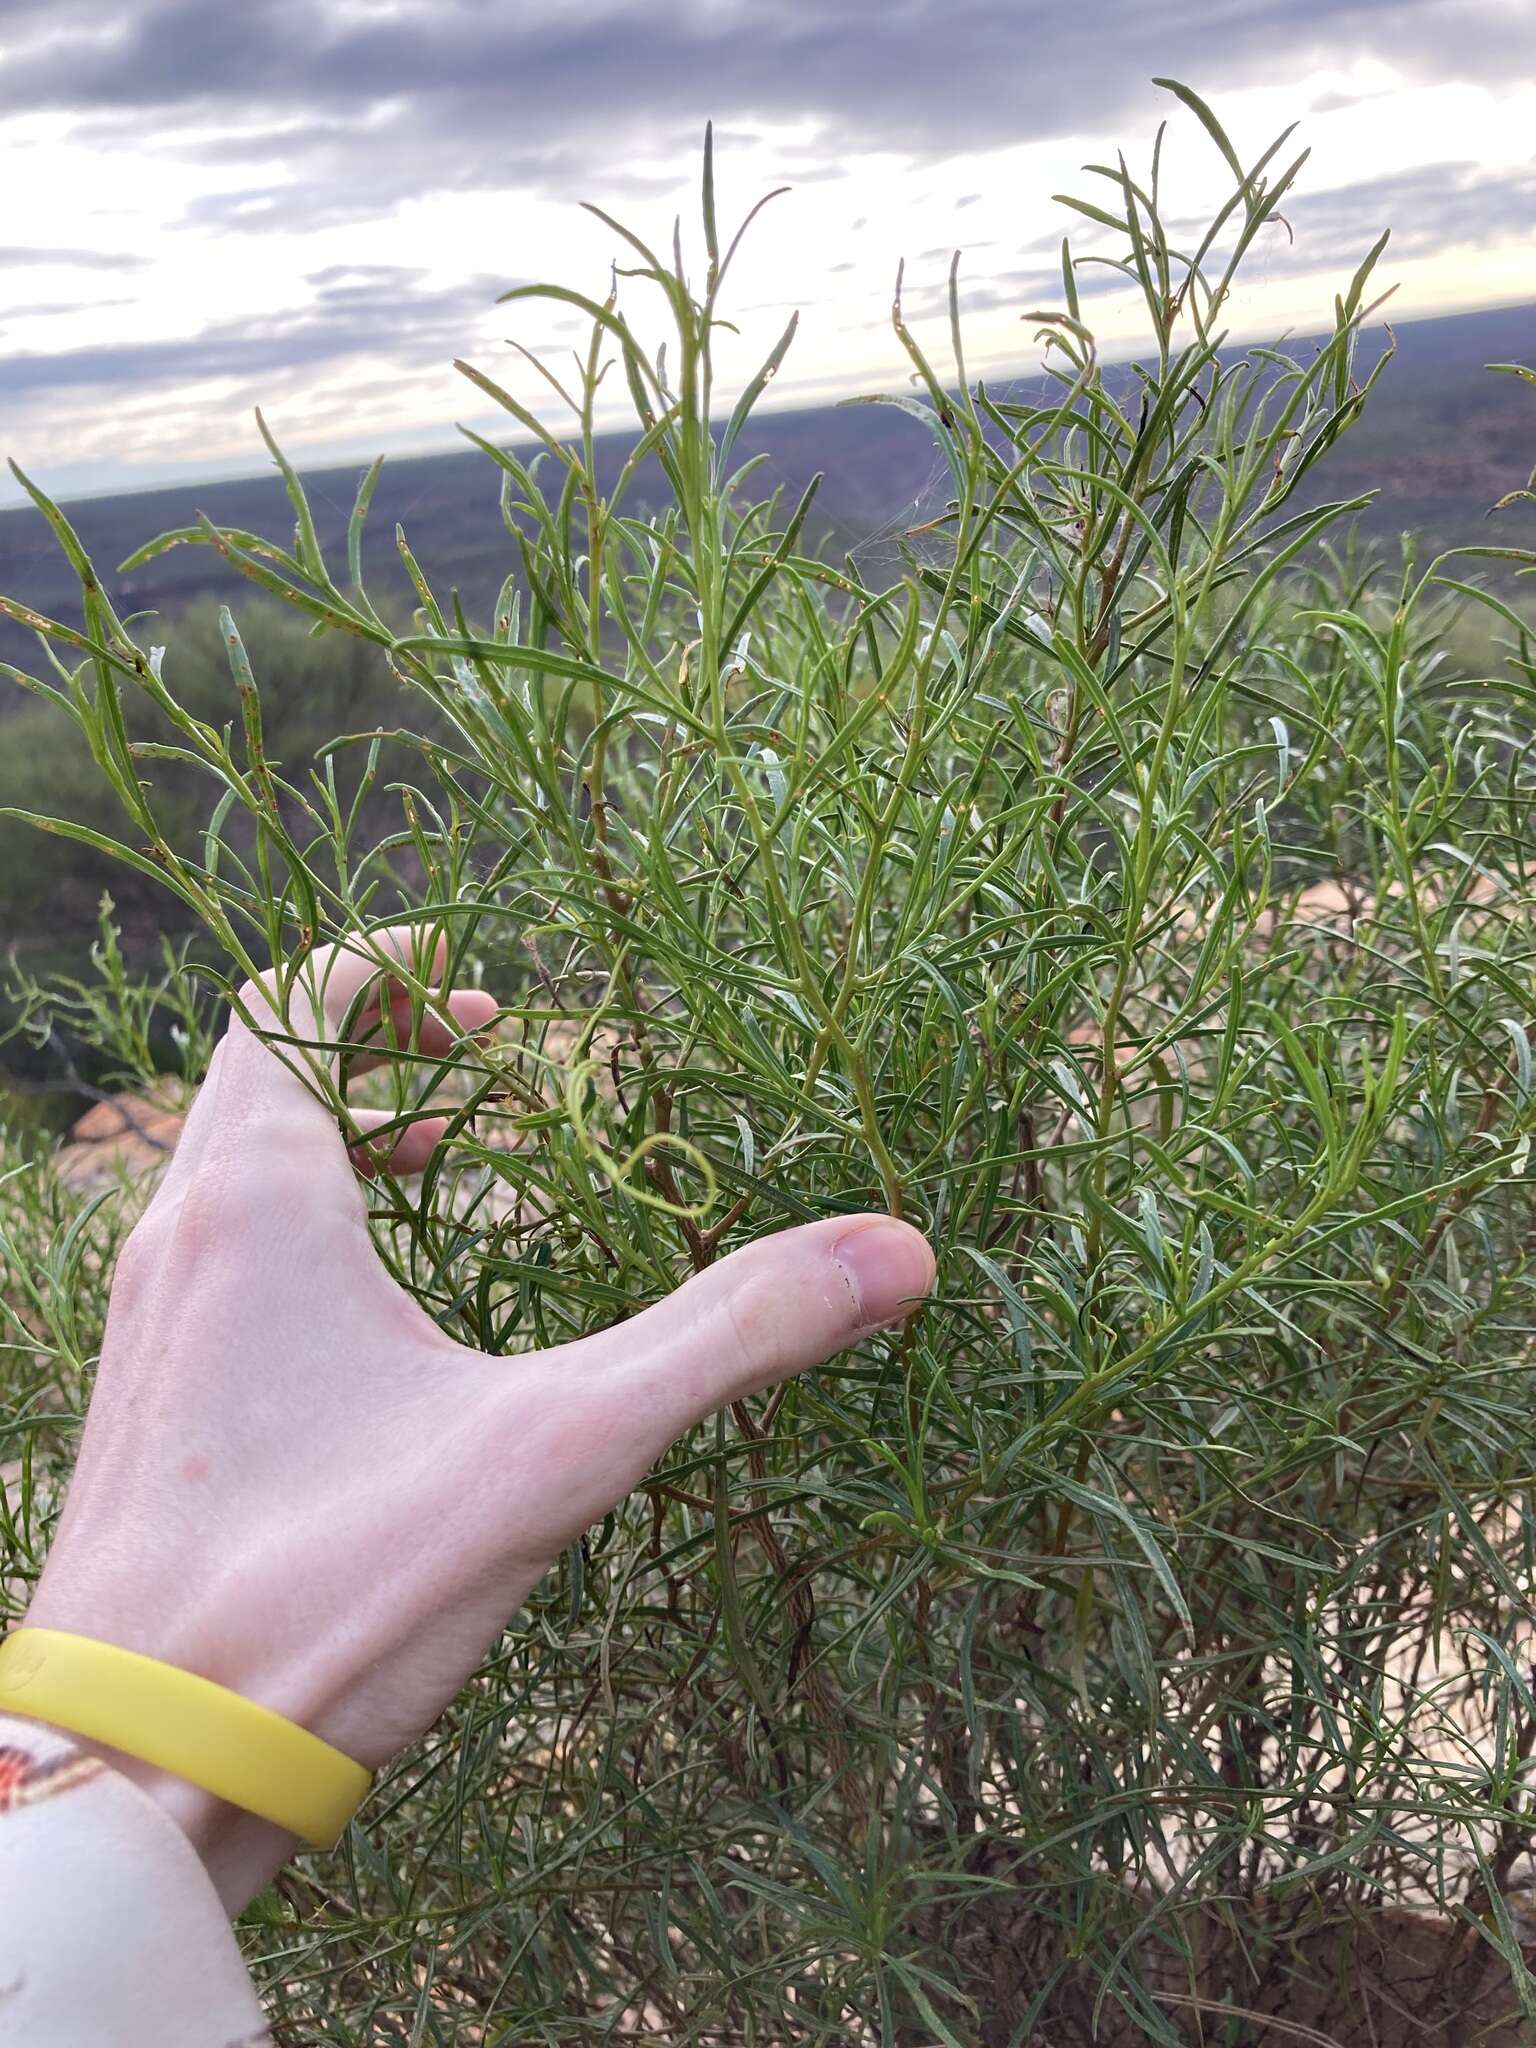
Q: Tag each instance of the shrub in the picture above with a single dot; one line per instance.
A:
(49, 908)
(1134, 895)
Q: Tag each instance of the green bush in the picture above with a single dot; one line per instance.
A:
(49, 907)
(1136, 895)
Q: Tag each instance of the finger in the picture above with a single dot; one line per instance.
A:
(775, 1308)
(335, 984)
(199, 1120)
(405, 1149)
(264, 1105)
(401, 1024)
(299, 1016)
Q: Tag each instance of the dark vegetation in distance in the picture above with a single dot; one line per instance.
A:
(1440, 442)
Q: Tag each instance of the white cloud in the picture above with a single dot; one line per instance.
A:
(121, 375)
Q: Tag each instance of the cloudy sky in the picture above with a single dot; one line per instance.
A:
(210, 206)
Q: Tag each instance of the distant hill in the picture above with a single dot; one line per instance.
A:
(1441, 440)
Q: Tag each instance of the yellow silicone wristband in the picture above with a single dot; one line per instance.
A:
(185, 1725)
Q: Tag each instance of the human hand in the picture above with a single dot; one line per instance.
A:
(293, 1482)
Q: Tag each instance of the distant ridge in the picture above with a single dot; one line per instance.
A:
(1440, 442)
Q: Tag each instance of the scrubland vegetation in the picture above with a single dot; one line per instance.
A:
(1136, 894)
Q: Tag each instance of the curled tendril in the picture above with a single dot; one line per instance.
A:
(620, 1173)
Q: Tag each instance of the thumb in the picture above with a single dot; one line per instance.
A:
(775, 1308)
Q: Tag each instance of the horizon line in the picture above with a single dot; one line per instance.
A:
(14, 499)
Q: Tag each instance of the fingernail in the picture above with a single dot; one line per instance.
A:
(888, 1265)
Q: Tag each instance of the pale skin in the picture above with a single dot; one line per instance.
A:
(291, 1481)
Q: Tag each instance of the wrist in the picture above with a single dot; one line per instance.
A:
(241, 1851)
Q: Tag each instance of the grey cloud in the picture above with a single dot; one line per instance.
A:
(427, 95)
(363, 273)
(256, 206)
(1341, 102)
(1026, 290)
(375, 320)
(48, 309)
(18, 256)
(1428, 210)
(359, 181)
(1434, 207)
(291, 141)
